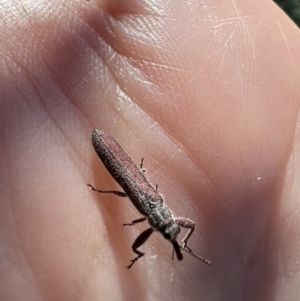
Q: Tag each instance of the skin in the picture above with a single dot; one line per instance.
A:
(207, 94)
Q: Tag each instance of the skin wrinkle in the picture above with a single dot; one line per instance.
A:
(284, 39)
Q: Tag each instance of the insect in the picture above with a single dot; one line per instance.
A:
(146, 199)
